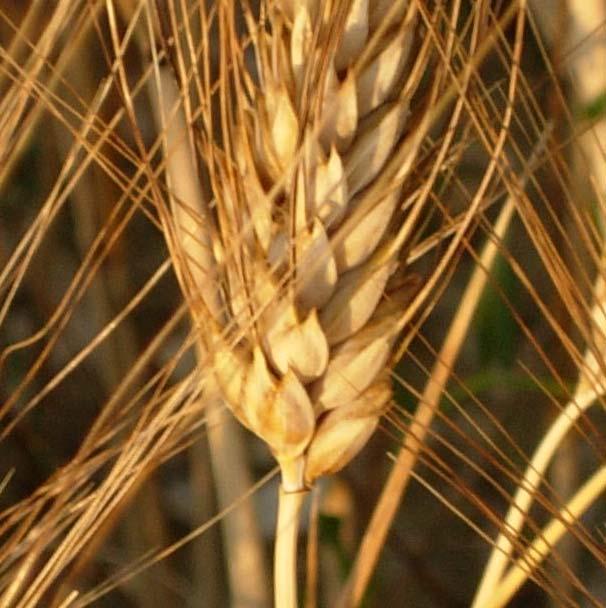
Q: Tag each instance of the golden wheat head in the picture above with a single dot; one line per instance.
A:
(310, 220)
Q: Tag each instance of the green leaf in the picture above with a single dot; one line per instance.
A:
(595, 109)
(496, 329)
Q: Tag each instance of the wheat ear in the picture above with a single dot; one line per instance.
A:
(310, 146)
(306, 286)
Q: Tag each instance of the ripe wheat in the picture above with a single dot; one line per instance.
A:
(298, 274)
(308, 249)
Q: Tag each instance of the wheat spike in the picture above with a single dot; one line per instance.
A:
(308, 250)
(311, 143)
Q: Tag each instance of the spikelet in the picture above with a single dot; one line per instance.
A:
(311, 272)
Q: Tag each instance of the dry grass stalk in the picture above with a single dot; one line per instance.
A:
(243, 545)
(525, 566)
(32, 527)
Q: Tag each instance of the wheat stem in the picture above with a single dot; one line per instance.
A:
(520, 505)
(544, 542)
(285, 554)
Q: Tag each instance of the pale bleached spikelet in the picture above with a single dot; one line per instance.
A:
(310, 250)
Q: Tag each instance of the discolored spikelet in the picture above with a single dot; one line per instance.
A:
(312, 270)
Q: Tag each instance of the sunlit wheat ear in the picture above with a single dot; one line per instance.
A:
(314, 297)
(310, 138)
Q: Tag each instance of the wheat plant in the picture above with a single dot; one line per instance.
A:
(290, 217)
